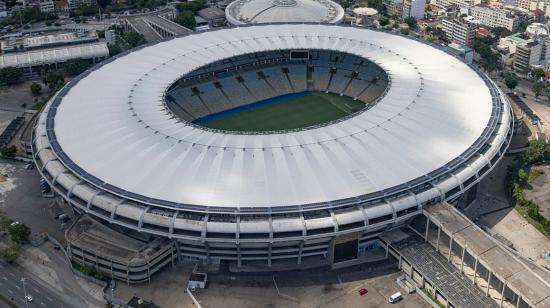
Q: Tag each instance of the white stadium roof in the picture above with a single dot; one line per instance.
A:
(242, 12)
(114, 126)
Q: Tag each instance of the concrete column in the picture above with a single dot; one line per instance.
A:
(387, 249)
(400, 261)
(127, 274)
(300, 252)
(172, 254)
(488, 284)
(427, 229)
(438, 236)
(112, 270)
(475, 271)
(239, 260)
(502, 293)
(450, 248)
(462, 261)
(148, 271)
(519, 300)
(270, 248)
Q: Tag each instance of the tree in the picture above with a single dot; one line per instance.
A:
(501, 32)
(404, 31)
(410, 21)
(75, 66)
(103, 3)
(511, 80)
(384, 21)
(10, 254)
(537, 73)
(193, 6)
(19, 233)
(537, 88)
(36, 89)
(537, 151)
(114, 49)
(5, 223)
(186, 19)
(378, 5)
(10, 76)
(133, 39)
(8, 152)
(53, 79)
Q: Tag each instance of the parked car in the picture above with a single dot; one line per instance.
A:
(395, 298)
(363, 291)
(28, 298)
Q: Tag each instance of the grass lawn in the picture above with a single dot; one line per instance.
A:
(288, 113)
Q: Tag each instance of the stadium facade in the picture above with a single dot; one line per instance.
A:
(119, 143)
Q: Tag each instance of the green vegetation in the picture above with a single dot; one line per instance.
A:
(295, 112)
(5, 223)
(90, 271)
(75, 66)
(538, 151)
(133, 39)
(537, 88)
(10, 76)
(432, 297)
(375, 4)
(192, 6)
(10, 254)
(8, 152)
(533, 174)
(537, 73)
(384, 21)
(186, 19)
(511, 80)
(489, 59)
(410, 21)
(53, 79)
(19, 233)
(36, 89)
(501, 32)
(28, 15)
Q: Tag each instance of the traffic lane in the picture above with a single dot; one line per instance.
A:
(11, 278)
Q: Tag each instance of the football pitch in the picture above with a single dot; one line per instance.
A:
(281, 113)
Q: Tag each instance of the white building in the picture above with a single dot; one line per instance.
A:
(46, 6)
(393, 7)
(536, 29)
(460, 31)
(76, 3)
(414, 8)
(506, 18)
(458, 3)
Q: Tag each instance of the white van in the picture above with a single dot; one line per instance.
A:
(395, 298)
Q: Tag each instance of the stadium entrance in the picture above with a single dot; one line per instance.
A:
(345, 248)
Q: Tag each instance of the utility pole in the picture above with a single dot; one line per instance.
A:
(25, 292)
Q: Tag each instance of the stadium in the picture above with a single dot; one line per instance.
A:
(277, 145)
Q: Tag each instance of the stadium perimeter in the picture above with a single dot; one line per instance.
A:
(308, 197)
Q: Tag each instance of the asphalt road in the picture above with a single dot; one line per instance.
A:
(11, 287)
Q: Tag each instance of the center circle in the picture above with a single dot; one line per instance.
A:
(277, 91)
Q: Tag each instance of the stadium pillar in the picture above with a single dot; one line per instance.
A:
(462, 261)
(450, 248)
(427, 229)
(488, 284)
(475, 271)
(300, 252)
(519, 300)
(502, 293)
(438, 236)
(270, 247)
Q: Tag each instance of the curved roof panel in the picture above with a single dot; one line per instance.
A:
(114, 126)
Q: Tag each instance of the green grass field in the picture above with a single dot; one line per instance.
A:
(296, 112)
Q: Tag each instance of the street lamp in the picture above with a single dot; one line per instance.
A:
(25, 292)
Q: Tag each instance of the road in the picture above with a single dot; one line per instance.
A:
(11, 287)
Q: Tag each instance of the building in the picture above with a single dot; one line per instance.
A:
(526, 55)
(393, 7)
(462, 51)
(242, 12)
(461, 4)
(46, 6)
(414, 8)
(538, 29)
(506, 18)
(3, 10)
(312, 196)
(213, 16)
(114, 254)
(23, 43)
(365, 15)
(73, 4)
(460, 30)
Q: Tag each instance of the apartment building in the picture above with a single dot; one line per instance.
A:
(414, 8)
(73, 4)
(507, 18)
(458, 3)
(393, 7)
(527, 54)
(460, 30)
